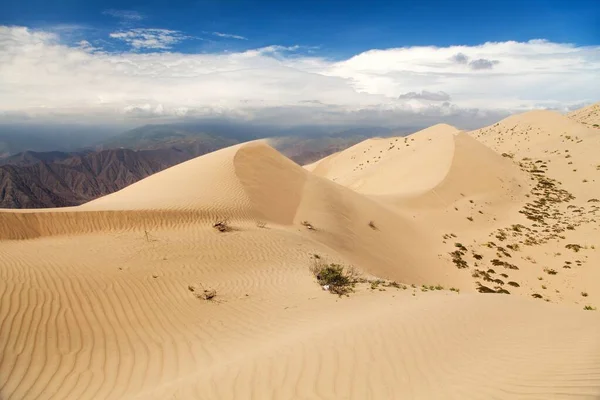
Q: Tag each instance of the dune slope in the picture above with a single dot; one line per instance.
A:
(104, 300)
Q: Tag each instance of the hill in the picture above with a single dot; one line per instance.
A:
(589, 115)
(214, 279)
(56, 179)
(41, 180)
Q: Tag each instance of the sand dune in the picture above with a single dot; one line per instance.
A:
(96, 300)
(589, 115)
(508, 218)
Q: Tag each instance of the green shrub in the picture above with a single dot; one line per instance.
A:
(339, 280)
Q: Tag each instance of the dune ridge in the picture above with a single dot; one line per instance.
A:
(100, 301)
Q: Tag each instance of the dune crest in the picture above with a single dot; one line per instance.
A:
(105, 300)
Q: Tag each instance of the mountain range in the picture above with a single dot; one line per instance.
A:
(33, 179)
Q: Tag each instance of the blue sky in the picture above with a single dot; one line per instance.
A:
(333, 28)
(375, 63)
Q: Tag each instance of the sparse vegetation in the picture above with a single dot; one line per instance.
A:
(513, 247)
(589, 308)
(335, 278)
(574, 247)
(373, 226)
(308, 226)
(204, 294)
(584, 294)
(222, 226)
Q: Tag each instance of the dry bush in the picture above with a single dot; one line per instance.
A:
(222, 226)
(338, 279)
(308, 225)
(204, 294)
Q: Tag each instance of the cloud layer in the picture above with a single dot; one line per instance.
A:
(41, 77)
(143, 38)
(127, 15)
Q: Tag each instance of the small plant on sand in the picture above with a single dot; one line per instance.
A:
(373, 226)
(574, 247)
(222, 226)
(308, 225)
(513, 247)
(261, 224)
(584, 294)
(335, 278)
(589, 308)
(204, 294)
(550, 271)
(453, 289)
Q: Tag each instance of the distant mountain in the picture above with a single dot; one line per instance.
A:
(33, 157)
(18, 138)
(80, 177)
(307, 150)
(33, 179)
(185, 138)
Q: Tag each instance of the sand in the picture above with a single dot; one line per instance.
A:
(101, 301)
(589, 116)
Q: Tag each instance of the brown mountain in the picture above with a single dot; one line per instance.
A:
(78, 178)
(60, 179)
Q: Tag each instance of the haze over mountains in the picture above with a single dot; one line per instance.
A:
(73, 178)
(472, 255)
(56, 179)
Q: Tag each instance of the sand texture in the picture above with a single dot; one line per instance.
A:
(197, 282)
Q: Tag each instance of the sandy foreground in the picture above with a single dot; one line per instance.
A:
(101, 301)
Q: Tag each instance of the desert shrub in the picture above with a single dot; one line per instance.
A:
(590, 308)
(336, 278)
(308, 225)
(222, 226)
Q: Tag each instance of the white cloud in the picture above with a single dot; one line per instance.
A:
(426, 95)
(229, 36)
(40, 77)
(147, 38)
(125, 15)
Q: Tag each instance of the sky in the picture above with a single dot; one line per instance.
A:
(384, 63)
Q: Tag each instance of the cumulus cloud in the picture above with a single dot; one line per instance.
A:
(40, 76)
(125, 15)
(147, 38)
(425, 95)
(229, 36)
(482, 63)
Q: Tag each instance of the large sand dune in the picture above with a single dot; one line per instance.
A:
(95, 300)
